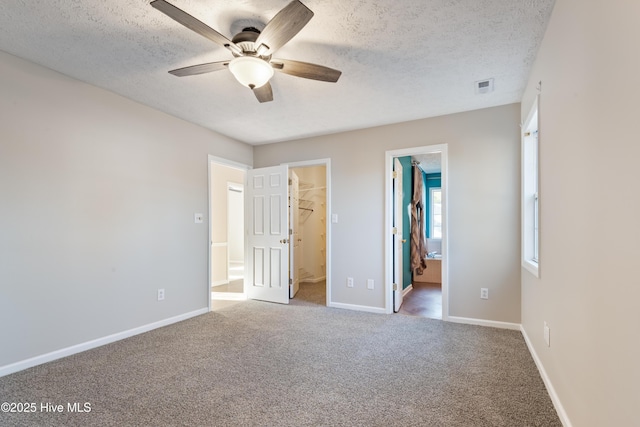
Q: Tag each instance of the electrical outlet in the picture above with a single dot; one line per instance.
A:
(484, 293)
(547, 334)
(160, 294)
(369, 283)
(349, 282)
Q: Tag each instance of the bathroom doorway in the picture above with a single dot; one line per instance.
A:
(423, 291)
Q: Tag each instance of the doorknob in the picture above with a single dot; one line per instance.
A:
(284, 241)
(404, 240)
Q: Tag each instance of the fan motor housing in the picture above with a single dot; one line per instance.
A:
(246, 40)
(248, 34)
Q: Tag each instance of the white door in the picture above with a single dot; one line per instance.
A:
(294, 245)
(266, 215)
(397, 235)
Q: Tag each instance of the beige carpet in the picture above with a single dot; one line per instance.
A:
(262, 364)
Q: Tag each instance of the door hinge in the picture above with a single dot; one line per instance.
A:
(394, 230)
(395, 286)
(394, 174)
(290, 231)
(290, 181)
(290, 281)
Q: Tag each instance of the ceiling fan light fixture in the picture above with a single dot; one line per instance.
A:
(250, 71)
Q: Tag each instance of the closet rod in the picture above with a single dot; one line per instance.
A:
(306, 209)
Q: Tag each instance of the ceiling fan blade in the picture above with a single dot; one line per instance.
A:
(282, 27)
(193, 24)
(200, 69)
(264, 93)
(306, 70)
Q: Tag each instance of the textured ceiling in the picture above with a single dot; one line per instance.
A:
(400, 60)
(429, 163)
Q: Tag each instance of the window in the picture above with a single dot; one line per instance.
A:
(435, 213)
(530, 197)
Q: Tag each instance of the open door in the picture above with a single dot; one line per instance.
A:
(266, 216)
(397, 235)
(294, 225)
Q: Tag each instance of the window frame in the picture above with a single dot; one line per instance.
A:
(530, 224)
(431, 213)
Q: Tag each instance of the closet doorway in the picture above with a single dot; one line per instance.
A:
(419, 289)
(309, 257)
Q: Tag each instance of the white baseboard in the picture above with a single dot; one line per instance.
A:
(482, 322)
(357, 307)
(229, 296)
(314, 279)
(406, 290)
(562, 414)
(78, 348)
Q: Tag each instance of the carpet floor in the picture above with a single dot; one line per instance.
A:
(262, 364)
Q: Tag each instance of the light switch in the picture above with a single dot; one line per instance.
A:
(334, 218)
(198, 218)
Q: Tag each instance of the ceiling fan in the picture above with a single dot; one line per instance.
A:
(252, 64)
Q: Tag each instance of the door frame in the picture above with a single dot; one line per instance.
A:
(327, 164)
(388, 233)
(229, 163)
(398, 224)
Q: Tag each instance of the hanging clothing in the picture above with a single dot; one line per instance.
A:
(418, 243)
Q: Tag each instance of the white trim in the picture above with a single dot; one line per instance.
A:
(314, 279)
(483, 322)
(228, 163)
(365, 308)
(531, 267)
(406, 290)
(98, 342)
(562, 414)
(229, 296)
(388, 247)
(326, 162)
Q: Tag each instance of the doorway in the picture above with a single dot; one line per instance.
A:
(309, 244)
(226, 230)
(224, 267)
(271, 262)
(422, 291)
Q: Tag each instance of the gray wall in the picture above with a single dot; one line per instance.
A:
(97, 196)
(588, 290)
(484, 210)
